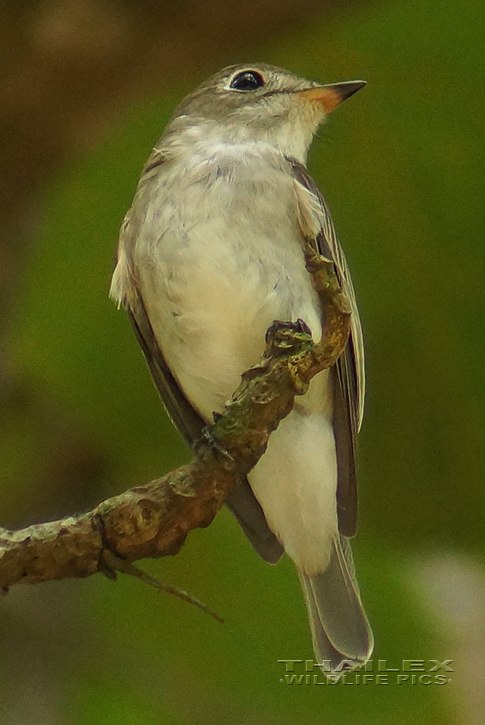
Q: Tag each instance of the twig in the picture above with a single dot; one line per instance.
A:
(117, 564)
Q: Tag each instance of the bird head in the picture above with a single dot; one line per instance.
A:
(262, 103)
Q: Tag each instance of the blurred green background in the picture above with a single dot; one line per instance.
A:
(401, 166)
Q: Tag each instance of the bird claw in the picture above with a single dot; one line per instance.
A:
(207, 440)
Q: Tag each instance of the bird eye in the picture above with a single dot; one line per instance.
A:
(248, 80)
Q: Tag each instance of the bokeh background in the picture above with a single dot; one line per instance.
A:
(86, 89)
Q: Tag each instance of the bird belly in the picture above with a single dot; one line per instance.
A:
(213, 284)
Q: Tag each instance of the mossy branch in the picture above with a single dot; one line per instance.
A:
(154, 520)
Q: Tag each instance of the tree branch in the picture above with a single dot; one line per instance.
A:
(154, 520)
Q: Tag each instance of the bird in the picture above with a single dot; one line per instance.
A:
(210, 254)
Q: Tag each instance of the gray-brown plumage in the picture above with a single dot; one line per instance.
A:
(209, 255)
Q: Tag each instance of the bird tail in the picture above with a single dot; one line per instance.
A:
(342, 638)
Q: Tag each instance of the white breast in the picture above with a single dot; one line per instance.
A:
(218, 259)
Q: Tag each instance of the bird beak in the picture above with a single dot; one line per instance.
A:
(332, 95)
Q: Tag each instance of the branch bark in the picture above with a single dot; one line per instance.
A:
(154, 520)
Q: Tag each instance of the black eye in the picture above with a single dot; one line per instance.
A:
(248, 80)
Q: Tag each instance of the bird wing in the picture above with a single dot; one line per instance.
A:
(348, 373)
(183, 415)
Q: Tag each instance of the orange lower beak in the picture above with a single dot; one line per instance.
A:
(332, 95)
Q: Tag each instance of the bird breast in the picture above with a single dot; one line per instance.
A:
(219, 258)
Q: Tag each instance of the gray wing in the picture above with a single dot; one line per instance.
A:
(183, 415)
(340, 629)
(126, 292)
(348, 373)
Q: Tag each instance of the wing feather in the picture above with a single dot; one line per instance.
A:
(348, 376)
